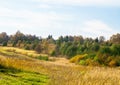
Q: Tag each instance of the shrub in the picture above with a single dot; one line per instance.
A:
(117, 60)
(77, 58)
(105, 50)
(4, 43)
(38, 48)
(82, 62)
(112, 63)
(89, 62)
(103, 58)
(27, 48)
(91, 56)
(96, 59)
(53, 53)
(43, 57)
(115, 49)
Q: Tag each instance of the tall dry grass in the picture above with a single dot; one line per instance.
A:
(29, 53)
(66, 74)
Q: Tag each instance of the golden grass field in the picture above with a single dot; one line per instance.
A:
(60, 71)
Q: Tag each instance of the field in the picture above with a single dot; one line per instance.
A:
(22, 67)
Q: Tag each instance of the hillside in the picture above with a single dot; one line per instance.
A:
(26, 70)
(59, 42)
(99, 51)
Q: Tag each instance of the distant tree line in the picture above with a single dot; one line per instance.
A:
(67, 46)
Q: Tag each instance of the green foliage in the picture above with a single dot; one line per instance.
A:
(91, 56)
(77, 58)
(86, 59)
(80, 49)
(115, 48)
(68, 49)
(71, 51)
(4, 43)
(27, 47)
(109, 55)
(97, 49)
(53, 53)
(105, 50)
(82, 62)
(42, 57)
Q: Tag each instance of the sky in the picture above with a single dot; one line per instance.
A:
(89, 18)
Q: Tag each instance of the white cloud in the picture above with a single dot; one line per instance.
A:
(44, 6)
(83, 2)
(96, 28)
(40, 23)
(52, 23)
(29, 18)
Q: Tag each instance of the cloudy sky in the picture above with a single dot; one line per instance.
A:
(90, 18)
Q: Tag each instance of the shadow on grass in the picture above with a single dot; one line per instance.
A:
(14, 76)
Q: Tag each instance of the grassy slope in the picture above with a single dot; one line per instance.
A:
(10, 76)
(15, 68)
(60, 74)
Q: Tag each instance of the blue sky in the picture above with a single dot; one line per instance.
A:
(90, 18)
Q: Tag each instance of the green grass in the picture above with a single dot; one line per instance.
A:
(16, 68)
(43, 58)
(11, 76)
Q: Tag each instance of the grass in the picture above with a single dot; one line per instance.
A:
(30, 71)
(19, 69)
(11, 76)
(21, 53)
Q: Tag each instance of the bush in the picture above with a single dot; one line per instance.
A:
(27, 48)
(43, 58)
(96, 59)
(115, 49)
(103, 58)
(105, 50)
(77, 58)
(82, 62)
(91, 56)
(117, 60)
(112, 63)
(4, 43)
(53, 53)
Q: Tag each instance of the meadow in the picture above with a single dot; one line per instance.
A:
(23, 67)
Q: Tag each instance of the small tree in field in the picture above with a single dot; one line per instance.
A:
(38, 48)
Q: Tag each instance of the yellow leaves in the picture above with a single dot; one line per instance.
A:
(77, 58)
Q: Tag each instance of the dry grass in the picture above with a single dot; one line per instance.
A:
(29, 53)
(66, 73)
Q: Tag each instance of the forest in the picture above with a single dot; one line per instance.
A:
(80, 50)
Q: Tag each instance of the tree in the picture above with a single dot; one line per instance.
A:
(18, 36)
(105, 50)
(38, 48)
(96, 40)
(115, 39)
(95, 47)
(71, 51)
(115, 50)
(4, 38)
(101, 39)
(79, 39)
